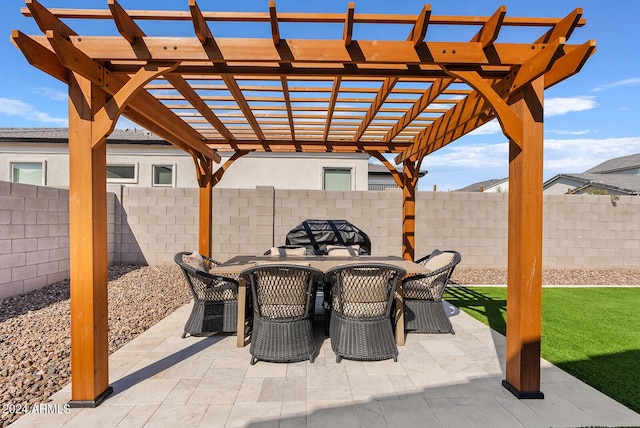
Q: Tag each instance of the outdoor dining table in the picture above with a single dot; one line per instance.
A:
(234, 266)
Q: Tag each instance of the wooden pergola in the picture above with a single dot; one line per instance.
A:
(208, 94)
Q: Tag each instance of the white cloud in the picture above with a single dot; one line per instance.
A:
(620, 83)
(563, 105)
(459, 165)
(578, 155)
(489, 128)
(552, 107)
(13, 107)
(468, 156)
(51, 93)
(580, 132)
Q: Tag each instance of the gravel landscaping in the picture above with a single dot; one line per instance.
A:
(34, 328)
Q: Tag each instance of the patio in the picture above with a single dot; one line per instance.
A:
(128, 75)
(160, 379)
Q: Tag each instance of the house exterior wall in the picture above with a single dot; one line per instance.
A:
(498, 188)
(561, 186)
(280, 170)
(150, 225)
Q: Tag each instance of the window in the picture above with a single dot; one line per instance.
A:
(28, 173)
(337, 179)
(122, 173)
(163, 175)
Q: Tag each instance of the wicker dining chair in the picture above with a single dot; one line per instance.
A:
(283, 306)
(422, 294)
(361, 295)
(215, 298)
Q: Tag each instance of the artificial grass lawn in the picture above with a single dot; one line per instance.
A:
(592, 333)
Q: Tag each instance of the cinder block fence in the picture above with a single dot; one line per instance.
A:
(149, 225)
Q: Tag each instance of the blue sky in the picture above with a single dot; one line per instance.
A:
(589, 118)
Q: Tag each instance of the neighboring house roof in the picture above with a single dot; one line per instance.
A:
(616, 164)
(378, 169)
(623, 183)
(482, 185)
(61, 136)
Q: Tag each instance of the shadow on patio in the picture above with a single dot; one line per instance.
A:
(160, 379)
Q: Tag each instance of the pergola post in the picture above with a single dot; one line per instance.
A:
(87, 247)
(409, 181)
(205, 212)
(524, 282)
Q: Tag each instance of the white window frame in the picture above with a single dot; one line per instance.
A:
(173, 175)
(43, 167)
(124, 180)
(341, 168)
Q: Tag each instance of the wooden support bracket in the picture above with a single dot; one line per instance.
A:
(105, 119)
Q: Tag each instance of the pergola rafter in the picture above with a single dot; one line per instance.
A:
(273, 93)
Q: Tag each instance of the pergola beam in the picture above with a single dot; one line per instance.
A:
(376, 54)
(287, 101)
(564, 28)
(428, 97)
(569, 64)
(316, 146)
(301, 17)
(39, 56)
(125, 24)
(107, 117)
(489, 31)
(201, 28)
(275, 30)
(243, 104)
(381, 96)
(347, 33)
(509, 122)
(144, 103)
(47, 20)
(335, 90)
(196, 101)
(419, 30)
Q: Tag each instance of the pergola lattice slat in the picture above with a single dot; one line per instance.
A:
(207, 94)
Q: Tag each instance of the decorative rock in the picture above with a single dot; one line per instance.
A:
(35, 328)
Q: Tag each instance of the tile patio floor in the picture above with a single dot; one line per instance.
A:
(161, 380)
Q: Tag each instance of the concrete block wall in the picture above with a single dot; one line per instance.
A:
(591, 232)
(152, 224)
(474, 224)
(149, 225)
(34, 237)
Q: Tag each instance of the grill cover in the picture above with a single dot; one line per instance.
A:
(317, 234)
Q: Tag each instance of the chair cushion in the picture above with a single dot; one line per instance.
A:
(220, 291)
(438, 259)
(281, 292)
(275, 251)
(195, 260)
(429, 288)
(360, 300)
(343, 250)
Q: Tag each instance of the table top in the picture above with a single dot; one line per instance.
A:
(237, 264)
